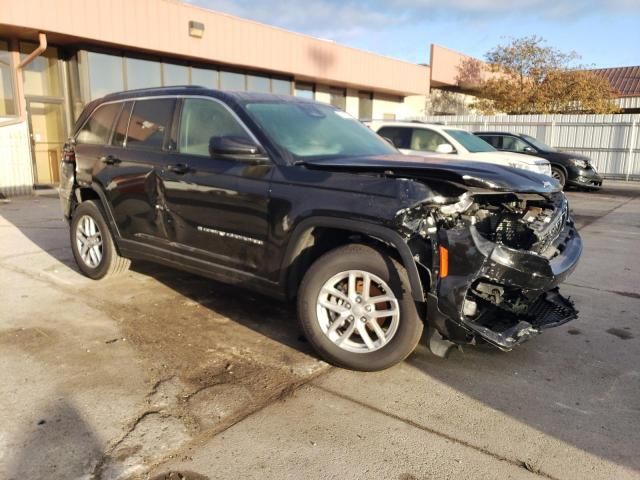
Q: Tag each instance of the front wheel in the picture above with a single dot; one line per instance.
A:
(92, 243)
(559, 175)
(356, 309)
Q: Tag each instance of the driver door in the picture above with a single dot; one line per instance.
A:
(216, 205)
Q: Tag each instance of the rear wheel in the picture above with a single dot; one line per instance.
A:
(92, 243)
(356, 310)
(559, 175)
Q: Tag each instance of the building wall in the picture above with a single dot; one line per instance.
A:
(161, 26)
(16, 173)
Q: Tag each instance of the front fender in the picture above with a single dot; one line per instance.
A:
(301, 233)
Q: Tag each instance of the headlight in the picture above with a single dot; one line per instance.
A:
(579, 162)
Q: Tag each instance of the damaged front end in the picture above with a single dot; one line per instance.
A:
(496, 261)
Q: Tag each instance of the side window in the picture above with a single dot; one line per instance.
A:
(513, 144)
(120, 132)
(493, 140)
(202, 119)
(400, 136)
(150, 121)
(426, 140)
(97, 129)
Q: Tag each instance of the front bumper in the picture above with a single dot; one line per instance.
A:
(529, 278)
(584, 177)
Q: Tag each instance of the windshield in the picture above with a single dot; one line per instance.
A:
(314, 131)
(538, 144)
(469, 141)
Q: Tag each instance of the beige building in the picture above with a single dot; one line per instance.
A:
(58, 55)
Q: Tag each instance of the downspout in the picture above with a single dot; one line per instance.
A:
(19, 86)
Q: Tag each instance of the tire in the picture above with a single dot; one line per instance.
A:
(99, 259)
(559, 175)
(400, 331)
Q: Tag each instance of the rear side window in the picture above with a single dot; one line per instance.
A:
(493, 140)
(149, 124)
(202, 119)
(424, 140)
(97, 129)
(120, 131)
(400, 136)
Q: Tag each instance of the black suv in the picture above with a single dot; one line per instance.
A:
(570, 169)
(296, 199)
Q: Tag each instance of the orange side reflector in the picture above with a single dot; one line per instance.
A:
(444, 262)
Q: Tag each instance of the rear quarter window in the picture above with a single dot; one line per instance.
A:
(97, 128)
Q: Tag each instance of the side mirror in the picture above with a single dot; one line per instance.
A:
(389, 141)
(529, 149)
(445, 148)
(230, 145)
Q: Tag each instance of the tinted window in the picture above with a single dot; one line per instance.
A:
(400, 136)
(469, 141)
(96, 130)
(365, 106)
(538, 144)
(175, 74)
(105, 74)
(304, 90)
(232, 81)
(514, 144)
(149, 123)
(312, 130)
(425, 140)
(281, 87)
(338, 97)
(204, 77)
(258, 84)
(493, 140)
(120, 132)
(142, 74)
(202, 119)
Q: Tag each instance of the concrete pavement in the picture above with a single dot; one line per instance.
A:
(161, 374)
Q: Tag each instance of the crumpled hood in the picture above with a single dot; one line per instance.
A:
(474, 175)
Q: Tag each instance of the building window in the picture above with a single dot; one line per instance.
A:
(42, 76)
(175, 74)
(204, 77)
(304, 90)
(365, 105)
(258, 84)
(105, 74)
(338, 97)
(142, 74)
(232, 81)
(281, 87)
(7, 97)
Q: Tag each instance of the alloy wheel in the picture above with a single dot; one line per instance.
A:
(89, 241)
(358, 311)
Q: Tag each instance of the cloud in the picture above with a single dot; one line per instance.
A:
(342, 20)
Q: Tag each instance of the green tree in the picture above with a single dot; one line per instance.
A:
(525, 76)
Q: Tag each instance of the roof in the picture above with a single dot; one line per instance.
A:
(625, 81)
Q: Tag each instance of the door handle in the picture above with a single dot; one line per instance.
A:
(179, 168)
(110, 160)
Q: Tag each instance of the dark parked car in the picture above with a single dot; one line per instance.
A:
(296, 199)
(569, 169)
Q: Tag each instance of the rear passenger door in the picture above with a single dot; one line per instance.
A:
(217, 204)
(132, 162)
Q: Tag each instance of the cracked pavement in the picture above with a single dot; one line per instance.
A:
(161, 374)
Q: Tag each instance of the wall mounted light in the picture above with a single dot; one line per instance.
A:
(196, 29)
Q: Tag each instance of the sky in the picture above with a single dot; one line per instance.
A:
(604, 33)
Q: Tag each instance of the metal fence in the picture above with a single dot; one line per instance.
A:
(612, 141)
